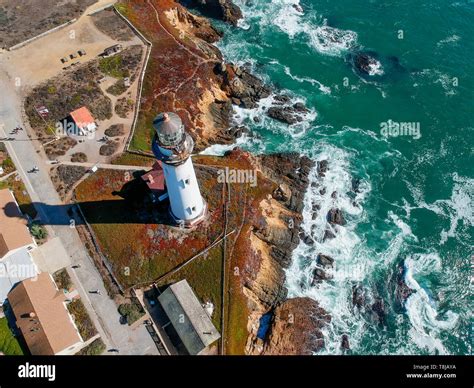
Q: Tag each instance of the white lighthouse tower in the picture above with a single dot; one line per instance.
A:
(173, 146)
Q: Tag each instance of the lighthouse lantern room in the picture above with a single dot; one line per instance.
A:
(172, 146)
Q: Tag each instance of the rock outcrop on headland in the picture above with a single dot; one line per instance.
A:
(296, 328)
(224, 10)
(187, 74)
(273, 242)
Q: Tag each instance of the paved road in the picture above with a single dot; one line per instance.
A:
(102, 309)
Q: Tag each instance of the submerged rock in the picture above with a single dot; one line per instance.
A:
(378, 310)
(366, 64)
(335, 216)
(319, 275)
(355, 184)
(322, 167)
(358, 296)
(328, 235)
(402, 291)
(345, 342)
(325, 261)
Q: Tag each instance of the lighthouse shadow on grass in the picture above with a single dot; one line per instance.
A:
(134, 203)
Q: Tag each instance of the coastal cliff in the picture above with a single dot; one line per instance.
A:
(295, 324)
(187, 74)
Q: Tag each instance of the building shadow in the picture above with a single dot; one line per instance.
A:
(133, 204)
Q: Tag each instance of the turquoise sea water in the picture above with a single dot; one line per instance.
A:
(415, 199)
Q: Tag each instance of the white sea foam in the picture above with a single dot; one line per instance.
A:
(324, 89)
(458, 209)
(447, 82)
(351, 264)
(375, 68)
(449, 40)
(287, 16)
(245, 141)
(425, 320)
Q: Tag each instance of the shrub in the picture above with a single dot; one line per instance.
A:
(83, 322)
(62, 279)
(79, 157)
(38, 231)
(95, 348)
(131, 311)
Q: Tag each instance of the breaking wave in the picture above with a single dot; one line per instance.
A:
(289, 16)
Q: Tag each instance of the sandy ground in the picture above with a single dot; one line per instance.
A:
(41, 60)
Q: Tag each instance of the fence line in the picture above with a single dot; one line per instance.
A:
(142, 75)
(104, 259)
(101, 9)
(19, 45)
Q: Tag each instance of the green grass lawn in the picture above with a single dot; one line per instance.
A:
(8, 343)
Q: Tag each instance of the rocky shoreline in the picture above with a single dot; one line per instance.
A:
(205, 100)
(190, 76)
(295, 324)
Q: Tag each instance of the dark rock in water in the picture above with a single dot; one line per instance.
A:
(358, 296)
(328, 235)
(322, 167)
(322, 191)
(325, 261)
(307, 239)
(355, 185)
(257, 119)
(243, 88)
(282, 99)
(365, 62)
(335, 216)
(319, 275)
(300, 107)
(238, 131)
(345, 342)
(282, 111)
(224, 10)
(248, 103)
(315, 207)
(285, 114)
(334, 195)
(402, 291)
(378, 309)
(298, 7)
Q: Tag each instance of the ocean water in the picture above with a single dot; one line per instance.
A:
(414, 203)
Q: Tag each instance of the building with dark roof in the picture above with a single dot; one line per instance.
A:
(188, 317)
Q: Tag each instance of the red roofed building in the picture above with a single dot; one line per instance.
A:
(155, 180)
(83, 121)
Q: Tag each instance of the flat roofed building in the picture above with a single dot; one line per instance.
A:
(42, 317)
(14, 233)
(13, 269)
(191, 322)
